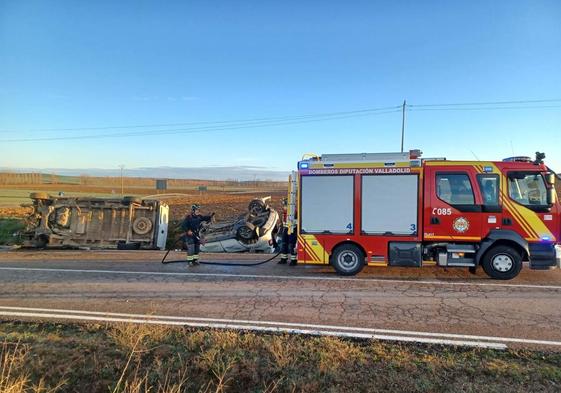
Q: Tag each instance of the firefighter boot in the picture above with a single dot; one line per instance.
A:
(196, 259)
(293, 260)
(283, 259)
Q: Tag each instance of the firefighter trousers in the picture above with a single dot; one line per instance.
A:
(193, 246)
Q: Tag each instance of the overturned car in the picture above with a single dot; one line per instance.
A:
(123, 223)
(254, 231)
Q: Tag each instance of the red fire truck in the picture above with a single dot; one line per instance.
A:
(397, 209)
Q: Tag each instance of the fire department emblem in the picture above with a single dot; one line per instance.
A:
(461, 224)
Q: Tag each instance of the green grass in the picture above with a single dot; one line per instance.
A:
(48, 178)
(93, 358)
(9, 230)
(15, 197)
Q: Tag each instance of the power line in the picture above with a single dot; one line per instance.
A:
(193, 130)
(489, 103)
(213, 126)
(483, 108)
(225, 122)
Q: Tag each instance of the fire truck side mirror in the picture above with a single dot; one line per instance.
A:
(550, 196)
(550, 178)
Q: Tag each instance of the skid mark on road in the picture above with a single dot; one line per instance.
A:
(283, 277)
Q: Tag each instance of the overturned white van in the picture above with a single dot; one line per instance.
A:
(123, 223)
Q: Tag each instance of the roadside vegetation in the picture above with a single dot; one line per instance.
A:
(10, 229)
(54, 357)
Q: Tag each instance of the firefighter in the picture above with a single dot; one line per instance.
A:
(288, 241)
(283, 234)
(292, 240)
(191, 226)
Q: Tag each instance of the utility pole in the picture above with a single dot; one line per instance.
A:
(403, 123)
(122, 188)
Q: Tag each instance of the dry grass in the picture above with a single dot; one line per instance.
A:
(137, 337)
(127, 358)
(13, 376)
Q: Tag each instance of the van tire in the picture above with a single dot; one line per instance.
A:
(502, 262)
(347, 259)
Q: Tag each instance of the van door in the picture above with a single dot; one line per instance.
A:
(452, 204)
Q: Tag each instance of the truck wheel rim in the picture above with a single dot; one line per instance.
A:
(347, 260)
(502, 263)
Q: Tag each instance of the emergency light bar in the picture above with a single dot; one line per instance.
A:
(518, 159)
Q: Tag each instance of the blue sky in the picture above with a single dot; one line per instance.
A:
(71, 64)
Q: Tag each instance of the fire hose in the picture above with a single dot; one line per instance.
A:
(217, 263)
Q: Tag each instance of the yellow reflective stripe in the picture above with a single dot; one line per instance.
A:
(520, 220)
(452, 237)
(458, 163)
(534, 222)
(308, 249)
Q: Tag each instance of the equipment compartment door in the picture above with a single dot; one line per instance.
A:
(327, 204)
(452, 204)
(389, 205)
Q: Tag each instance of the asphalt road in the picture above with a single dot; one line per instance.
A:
(441, 304)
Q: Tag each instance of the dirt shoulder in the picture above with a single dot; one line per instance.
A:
(101, 358)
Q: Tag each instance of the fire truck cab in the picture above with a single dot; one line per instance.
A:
(397, 209)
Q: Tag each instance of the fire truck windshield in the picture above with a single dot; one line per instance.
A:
(527, 189)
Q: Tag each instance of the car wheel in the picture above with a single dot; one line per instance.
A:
(246, 232)
(256, 207)
(347, 260)
(502, 263)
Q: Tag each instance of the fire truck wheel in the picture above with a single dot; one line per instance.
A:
(347, 259)
(502, 263)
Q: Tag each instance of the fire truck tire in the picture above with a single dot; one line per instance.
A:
(502, 262)
(347, 259)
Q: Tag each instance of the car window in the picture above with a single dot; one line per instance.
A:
(489, 186)
(454, 189)
(528, 189)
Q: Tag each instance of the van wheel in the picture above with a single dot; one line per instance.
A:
(502, 263)
(347, 259)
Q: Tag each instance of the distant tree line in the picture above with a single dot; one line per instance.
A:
(20, 178)
(12, 178)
